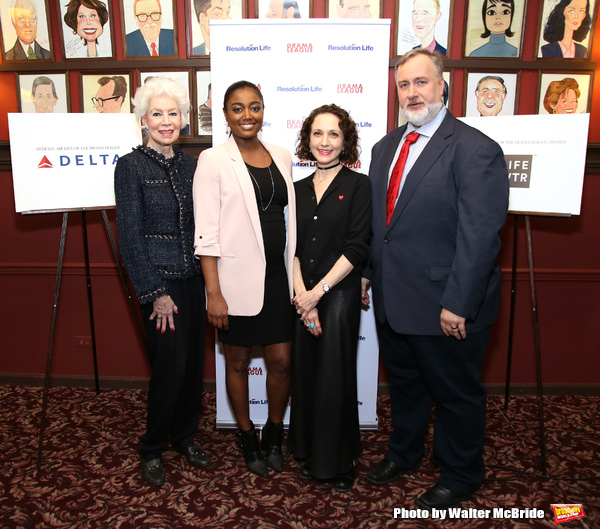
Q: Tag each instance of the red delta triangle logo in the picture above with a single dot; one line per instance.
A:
(45, 164)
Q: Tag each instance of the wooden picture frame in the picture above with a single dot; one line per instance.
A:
(29, 29)
(199, 14)
(184, 79)
(43, 92)
(92, 35)
(155, 35)
(95, 85)
(557, 92)
(420, 23)
(482, 40)
(203, 107)
(353, 9)
(491, 93)
(279, 9)
(553, 34)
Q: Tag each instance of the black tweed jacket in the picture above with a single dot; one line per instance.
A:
(155, 219)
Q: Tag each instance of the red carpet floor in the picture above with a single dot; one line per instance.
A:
(90, 472)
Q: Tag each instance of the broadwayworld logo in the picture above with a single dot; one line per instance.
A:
(565, 513)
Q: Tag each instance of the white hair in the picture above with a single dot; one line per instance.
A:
(158, 86)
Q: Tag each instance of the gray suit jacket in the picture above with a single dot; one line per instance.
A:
(441, 246)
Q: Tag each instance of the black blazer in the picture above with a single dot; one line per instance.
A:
(441, 246)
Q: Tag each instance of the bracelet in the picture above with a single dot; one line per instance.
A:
(326, 288)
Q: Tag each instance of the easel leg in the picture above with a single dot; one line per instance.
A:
(511, 325)
(59, 267)
(136, 315)
(536, 331)
(88, 278)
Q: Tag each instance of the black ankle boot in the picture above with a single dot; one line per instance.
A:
(255, 462)
(271, 444)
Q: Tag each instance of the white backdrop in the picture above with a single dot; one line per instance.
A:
(300, 65)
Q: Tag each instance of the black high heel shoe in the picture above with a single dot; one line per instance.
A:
(272, 434)
(255, 462)
(345, 481)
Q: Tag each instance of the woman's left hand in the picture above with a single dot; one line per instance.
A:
(312, 323)
(306, 301)
(164, 307)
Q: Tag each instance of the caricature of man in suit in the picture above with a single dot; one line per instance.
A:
(435, 279)
(149, 39)
(24, 17)
(490, 93)
(110, 96)
(43, 95)
(425, 16)
(209, 10)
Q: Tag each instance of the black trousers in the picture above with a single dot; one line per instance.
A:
(440, 370)
(324, 416)
(177, 361)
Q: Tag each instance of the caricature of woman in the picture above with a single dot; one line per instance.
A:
(497, 19)
(562, 96)
(87, 18)
(568, 23)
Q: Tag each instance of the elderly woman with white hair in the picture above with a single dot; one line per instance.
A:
(155, 223)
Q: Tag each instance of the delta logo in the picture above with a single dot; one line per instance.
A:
(350, 88)
(79, 160)
(248, 47)
(305, 47)
(566, 512)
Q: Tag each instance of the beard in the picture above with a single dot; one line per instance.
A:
(418, 118)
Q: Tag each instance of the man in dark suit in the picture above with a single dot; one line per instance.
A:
(23, 15)
(149, 39)
(435, 279)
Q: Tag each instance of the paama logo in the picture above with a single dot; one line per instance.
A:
(567, 512)
(45, 164)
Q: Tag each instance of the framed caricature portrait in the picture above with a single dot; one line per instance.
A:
(353, 8)
(106, 92)
(423, 24)
(204, 102)
(284, 8)
(565, 29)
(200, 12)
(494, 28)
(25, 30)
(43, 93)
(86, 29)
(182, 78)
(564, 93)
(490, 94)
(447, 98)
(148, 29)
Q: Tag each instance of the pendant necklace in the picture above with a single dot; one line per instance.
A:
(262, 206)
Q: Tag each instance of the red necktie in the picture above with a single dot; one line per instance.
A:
(153, 46)
(394, 185)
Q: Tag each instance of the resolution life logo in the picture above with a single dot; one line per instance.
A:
(519, 169)
(249, 47)
(350, 47)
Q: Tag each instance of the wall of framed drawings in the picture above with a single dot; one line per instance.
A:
(512, 40)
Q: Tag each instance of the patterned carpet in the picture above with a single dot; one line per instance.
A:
(90, 473)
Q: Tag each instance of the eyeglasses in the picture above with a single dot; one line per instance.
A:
(100, 100)
(142, 17)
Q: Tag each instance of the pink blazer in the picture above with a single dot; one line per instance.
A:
(228, 224)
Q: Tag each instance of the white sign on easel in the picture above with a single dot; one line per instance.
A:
(545, 155)
(66, 161)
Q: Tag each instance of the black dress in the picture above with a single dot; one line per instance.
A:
(275, 322)
(324, 416)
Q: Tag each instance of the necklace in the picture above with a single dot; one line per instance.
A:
(262, 205)
(330, 167)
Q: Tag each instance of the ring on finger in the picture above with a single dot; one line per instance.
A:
(312, 325)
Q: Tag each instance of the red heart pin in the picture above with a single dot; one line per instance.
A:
(341, 196)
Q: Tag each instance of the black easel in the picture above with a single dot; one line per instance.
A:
(90, 308)
(536, 329)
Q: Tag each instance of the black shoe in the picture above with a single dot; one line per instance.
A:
(153, 472)
(271, 444)
(304, 472)
(440, 498)
(195, 456)
(255, 462)
(345, 481)
(387, 471)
